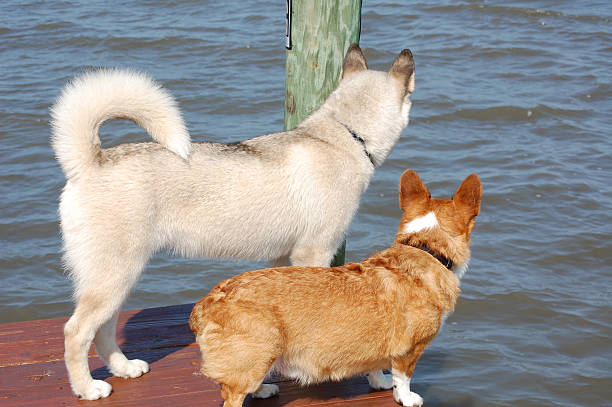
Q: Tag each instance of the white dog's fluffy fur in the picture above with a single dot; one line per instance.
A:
(284, 197)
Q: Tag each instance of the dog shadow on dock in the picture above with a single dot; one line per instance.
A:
(152, 334)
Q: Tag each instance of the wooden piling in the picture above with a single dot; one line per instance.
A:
(320, 34)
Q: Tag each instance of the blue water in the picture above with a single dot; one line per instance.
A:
(518, 92)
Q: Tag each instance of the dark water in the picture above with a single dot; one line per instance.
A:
(518, 92)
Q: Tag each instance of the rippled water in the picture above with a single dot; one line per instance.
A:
(518, 92)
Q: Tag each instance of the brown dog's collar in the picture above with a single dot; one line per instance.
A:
(446, 262)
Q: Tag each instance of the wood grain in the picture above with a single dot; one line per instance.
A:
(32, 370)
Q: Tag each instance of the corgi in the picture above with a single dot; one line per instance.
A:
(285, 197)
(315, 324)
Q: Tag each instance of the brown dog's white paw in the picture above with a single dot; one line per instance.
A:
(265, 391)
(407, 398)
(380, 381)
(402, 393)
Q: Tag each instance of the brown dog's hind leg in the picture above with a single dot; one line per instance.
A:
(235, 386)
(232, 396)
(239, 346)
(242, 373)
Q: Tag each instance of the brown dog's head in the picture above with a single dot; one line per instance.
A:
(444, 226)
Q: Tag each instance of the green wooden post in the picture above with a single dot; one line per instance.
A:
(320, 34)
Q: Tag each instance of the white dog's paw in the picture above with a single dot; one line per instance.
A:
(380, 381)
(129, 369)
(97, 389)
(266, 390)
(406, 398)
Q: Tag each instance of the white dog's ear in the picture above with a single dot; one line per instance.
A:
(403, 70)
(412, 190)
(354, 62)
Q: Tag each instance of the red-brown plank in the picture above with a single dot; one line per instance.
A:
(43, 340)
(32, 371)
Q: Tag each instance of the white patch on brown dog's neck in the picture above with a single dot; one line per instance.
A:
(428, 221)
(460, 269)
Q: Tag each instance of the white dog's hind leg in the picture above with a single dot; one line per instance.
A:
(101, 288)
(118, 364)
(77, 341)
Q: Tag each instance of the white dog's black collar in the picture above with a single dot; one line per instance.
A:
(360, 140)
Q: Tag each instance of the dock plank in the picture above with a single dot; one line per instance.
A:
(32, 370)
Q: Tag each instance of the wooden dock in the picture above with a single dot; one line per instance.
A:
(32, 370)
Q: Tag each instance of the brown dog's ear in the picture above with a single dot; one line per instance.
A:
(412, 190)
(354, 62)
(468, 196)
(403, 70)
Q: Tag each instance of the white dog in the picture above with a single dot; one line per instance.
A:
(284, 197)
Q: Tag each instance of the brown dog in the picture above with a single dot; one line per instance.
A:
(314, 324)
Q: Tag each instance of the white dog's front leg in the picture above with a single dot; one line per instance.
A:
(401, 391)
(266, 390)
(380, 381)
(312, 257)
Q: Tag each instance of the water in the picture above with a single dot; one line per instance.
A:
(517, 92)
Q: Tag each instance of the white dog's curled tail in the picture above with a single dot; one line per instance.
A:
(95, 97)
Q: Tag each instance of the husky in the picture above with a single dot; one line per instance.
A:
(286, 197)
(314, 324)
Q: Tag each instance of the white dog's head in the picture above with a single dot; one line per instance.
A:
(373, 104)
